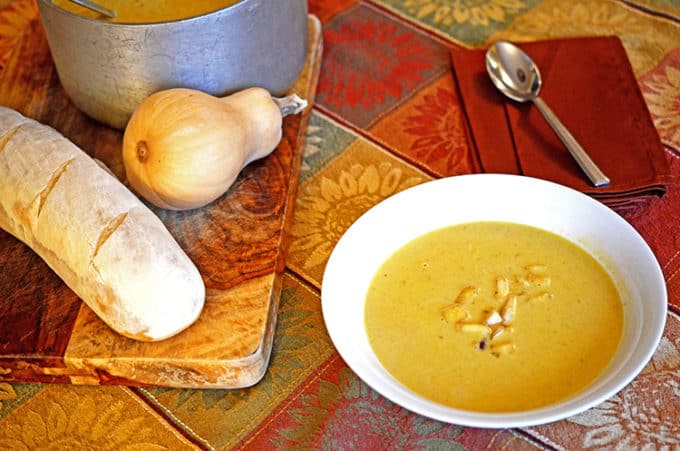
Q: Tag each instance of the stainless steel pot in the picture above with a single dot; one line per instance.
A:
(108, 68)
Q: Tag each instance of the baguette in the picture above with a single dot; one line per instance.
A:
(103, 242)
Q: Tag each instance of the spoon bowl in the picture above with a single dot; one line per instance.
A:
(513, 72)
(516, 75)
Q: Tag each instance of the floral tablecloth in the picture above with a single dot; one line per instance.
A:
(386, 117)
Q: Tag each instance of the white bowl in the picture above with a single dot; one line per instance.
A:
(382, 230)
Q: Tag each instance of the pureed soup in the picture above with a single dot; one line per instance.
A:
(147, 11)
(493, 317)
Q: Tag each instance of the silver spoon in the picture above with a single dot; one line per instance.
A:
(95, 7)
(517, 76)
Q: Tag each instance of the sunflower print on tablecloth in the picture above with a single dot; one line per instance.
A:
(469, 22)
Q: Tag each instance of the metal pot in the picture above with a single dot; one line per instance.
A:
(107, 68)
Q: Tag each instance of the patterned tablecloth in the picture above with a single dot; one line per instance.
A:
(386, 118)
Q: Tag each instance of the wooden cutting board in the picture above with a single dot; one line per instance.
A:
(238, 244)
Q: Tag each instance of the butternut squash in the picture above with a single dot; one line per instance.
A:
(183, 148)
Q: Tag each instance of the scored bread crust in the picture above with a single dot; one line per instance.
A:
(103, 242)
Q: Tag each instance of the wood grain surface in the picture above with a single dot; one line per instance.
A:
(238, 244)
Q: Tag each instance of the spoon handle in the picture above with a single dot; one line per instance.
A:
(588, 166)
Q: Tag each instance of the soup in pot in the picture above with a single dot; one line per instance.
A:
(147, 11)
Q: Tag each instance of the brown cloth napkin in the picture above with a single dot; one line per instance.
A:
(590, 85)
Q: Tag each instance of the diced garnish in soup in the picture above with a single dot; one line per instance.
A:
(493, 317)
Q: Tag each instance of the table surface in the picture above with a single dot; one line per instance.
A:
(386, 117)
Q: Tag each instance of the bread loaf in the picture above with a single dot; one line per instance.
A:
(103, 242)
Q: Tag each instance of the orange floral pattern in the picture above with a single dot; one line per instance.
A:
(437, 126)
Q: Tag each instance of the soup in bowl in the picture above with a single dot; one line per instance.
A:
(494, 300)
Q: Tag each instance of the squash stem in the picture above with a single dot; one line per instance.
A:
(291, 104)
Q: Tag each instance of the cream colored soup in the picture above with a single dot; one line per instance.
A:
(145, 11)
(493, 317)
